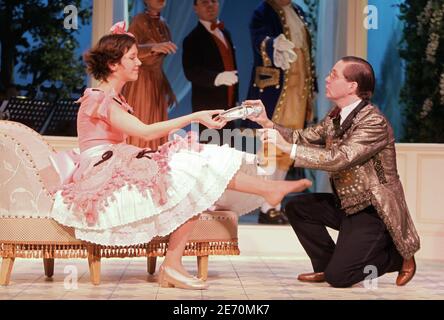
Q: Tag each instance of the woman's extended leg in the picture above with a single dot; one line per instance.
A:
(272, 191)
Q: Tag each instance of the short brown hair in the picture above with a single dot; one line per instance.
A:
(109, 50)
(360, 71)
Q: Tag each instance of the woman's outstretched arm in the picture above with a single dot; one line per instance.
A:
(132, 126)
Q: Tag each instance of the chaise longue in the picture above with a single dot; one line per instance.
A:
(27, 231)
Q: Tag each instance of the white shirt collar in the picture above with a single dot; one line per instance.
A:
(217, 32)
(348, 109)
(207, 25)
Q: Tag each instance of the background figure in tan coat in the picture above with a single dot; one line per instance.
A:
(283, 78)
(151, 94)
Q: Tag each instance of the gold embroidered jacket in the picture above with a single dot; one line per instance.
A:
(361, 162)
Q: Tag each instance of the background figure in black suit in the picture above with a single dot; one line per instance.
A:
(283, 77)
(209, 63)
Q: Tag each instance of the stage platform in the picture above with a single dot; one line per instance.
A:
(271, 256)
(230, 278)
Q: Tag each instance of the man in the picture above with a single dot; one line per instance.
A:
(355, 144)
(282, 77)
(209, 62)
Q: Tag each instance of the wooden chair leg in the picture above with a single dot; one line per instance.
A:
(94, 264)
(202, 267)
(151, 264)
(5, 273)
(48, 264)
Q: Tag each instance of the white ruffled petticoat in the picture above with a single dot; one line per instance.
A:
(198, 180)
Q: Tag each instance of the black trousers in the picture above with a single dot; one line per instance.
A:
(363, 245)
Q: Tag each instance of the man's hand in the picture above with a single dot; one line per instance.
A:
(226, 78)
(273, 136)
(262, 118)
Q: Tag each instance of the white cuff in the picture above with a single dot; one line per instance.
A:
(281, 43)
(226, 78)
(283, 59)
(294, 149)
(279, 60)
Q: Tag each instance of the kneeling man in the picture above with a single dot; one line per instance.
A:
(355, 144)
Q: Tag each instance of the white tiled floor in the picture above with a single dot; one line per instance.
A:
(235, 277)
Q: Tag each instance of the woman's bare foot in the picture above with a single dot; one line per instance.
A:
(279, 189)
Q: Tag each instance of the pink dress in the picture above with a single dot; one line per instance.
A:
(122, 195)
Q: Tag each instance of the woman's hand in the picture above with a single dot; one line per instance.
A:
(273, 136)
(164, 48)
(206, 118)
(262, 118)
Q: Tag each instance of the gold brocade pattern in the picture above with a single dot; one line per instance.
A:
(379, 169)
(266, 77)
(362, 167)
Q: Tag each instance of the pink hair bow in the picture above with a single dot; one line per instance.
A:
(120, 28)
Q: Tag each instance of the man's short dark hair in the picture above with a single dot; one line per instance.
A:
(360, 71)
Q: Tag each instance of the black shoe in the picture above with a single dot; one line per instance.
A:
(272, 216)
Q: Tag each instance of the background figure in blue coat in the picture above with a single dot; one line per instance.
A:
(283, 77)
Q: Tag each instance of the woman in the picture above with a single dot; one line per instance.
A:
(122, 195)
(151, 94)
